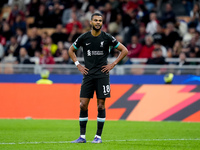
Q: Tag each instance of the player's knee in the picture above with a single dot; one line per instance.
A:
(83, 106)
(101, 107)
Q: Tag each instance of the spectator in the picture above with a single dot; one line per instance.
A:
(182, 62)
(73, 22)
(159, 35)
(168, 15)
(143, 14)
(65, 57)
(188, 4)
(44, 36)
(146, 51)
(194, 13)
(89, 13)
(6, 31)
(129, 18)
(23, 57)
(73, 35)
(36, 58)
(152, 25)
(170, 35)
(14, 13)
(182, 59)
(192, 54)
(46, 57)
(33, 47)
(189, 36)
(115, 28)
(130, 27)
(60, 49)
(50, 46)
(41, 17)
(142, 33)
(34, 35)
(157, 58)
(177, 48)
(13, 47)
(55, 17)
(19, 23)
(59, 35)
(33, 7)
(134, 47)
(197, 38)
(158, 45)
(66, 17)
(22, 38)
(197, 51)
(109, 15)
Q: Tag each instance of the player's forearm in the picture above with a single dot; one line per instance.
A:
(72, 54)
(123, 53)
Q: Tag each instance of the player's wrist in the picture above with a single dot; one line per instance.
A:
(76, 63)
(114, 63)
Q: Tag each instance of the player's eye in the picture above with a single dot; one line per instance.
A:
(97, 20)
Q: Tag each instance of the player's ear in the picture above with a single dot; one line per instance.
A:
(91, 22)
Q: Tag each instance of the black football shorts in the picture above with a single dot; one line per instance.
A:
(91, 84)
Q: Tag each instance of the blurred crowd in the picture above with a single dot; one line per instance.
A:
(140, 25)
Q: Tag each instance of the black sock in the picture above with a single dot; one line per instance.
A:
(100, 121)
(83, 118)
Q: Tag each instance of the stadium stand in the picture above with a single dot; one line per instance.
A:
(130, 20)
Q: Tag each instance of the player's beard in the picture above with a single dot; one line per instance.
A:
(93, 27)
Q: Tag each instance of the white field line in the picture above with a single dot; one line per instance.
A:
(104, 141)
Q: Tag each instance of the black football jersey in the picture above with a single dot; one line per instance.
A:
(95, 50)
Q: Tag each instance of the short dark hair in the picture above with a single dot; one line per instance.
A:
(96, 14)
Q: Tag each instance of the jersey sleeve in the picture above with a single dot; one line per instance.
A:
(113, 42)
(78, 42)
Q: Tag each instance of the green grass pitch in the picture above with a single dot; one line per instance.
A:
(33, 134)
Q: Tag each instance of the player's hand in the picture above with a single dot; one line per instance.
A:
(107, 68)
(83, 69)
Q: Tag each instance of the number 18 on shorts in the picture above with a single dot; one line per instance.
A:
(100, 85)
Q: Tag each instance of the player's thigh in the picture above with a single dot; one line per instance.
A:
(87, 88)
(102, 87)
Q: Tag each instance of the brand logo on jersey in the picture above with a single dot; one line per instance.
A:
(96, 53)
(87, 43)
(113, 39)
(102, 44)
(89, 53)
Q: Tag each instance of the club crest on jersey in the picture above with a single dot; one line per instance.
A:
(89, 53)
(102, 44)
